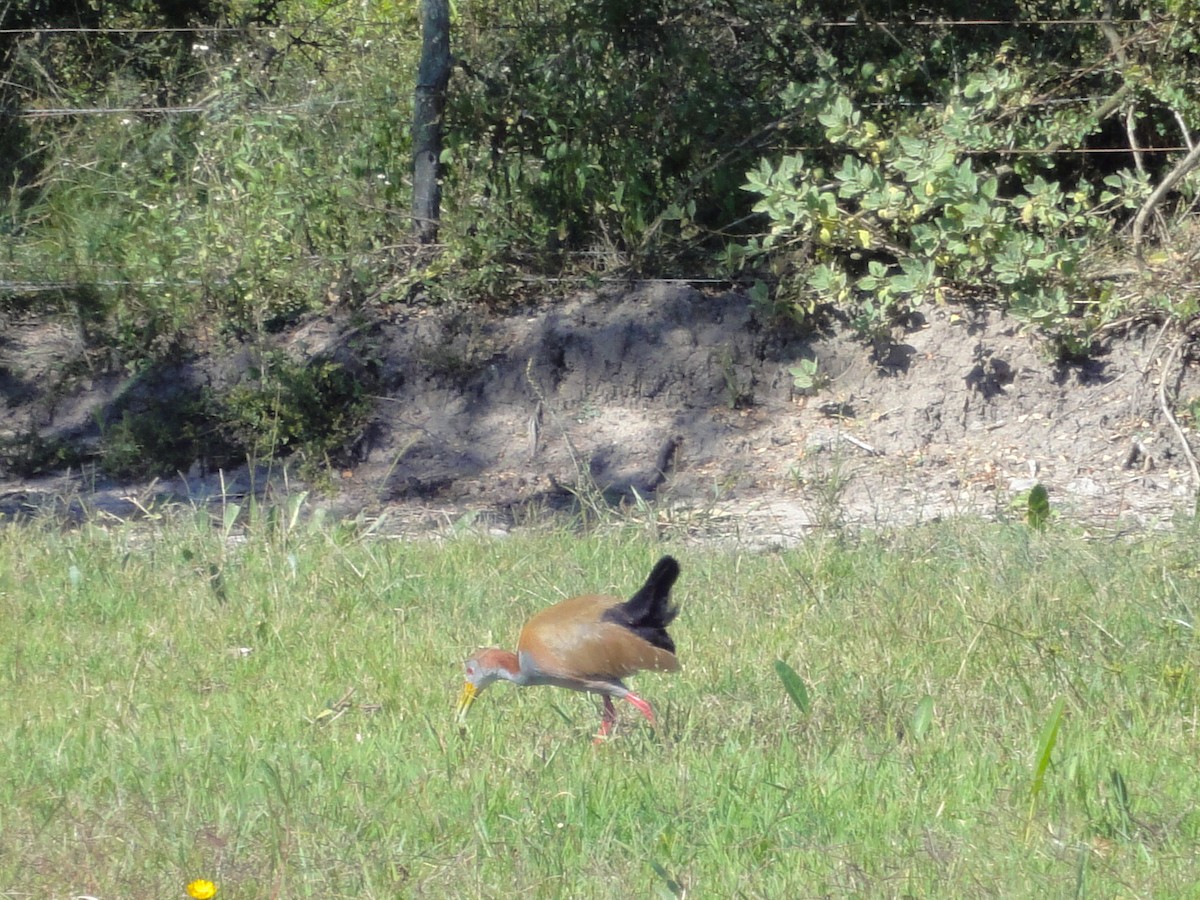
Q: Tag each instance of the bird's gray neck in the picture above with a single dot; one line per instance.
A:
(528, 672)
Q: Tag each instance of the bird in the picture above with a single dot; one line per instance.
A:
(588, 643)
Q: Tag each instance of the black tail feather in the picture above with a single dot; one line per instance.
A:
(648, 612)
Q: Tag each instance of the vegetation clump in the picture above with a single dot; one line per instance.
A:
(228, 168)
(316, 409)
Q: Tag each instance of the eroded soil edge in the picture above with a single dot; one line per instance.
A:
(668, 394)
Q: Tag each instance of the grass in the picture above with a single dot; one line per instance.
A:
(275, 715)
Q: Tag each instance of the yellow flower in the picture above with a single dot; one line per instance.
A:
(202, 889)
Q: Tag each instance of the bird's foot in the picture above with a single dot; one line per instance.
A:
(642, 706)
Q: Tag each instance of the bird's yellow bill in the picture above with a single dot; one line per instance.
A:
(465, 699)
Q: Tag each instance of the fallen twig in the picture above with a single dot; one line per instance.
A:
(862, 445)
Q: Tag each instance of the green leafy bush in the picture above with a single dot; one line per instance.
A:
(315, 409)
(278, 194)
(612, 125)
(906, 218)
(29, 453)
(164, 435)
(895, 156)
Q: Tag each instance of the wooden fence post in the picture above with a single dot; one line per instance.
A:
(429, 101)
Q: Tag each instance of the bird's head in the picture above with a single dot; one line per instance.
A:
(481, 669)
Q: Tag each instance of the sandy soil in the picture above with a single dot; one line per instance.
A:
(679, 404)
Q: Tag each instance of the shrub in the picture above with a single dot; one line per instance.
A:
(315, 409)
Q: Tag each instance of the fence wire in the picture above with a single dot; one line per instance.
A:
(379, 25)
(215, 106)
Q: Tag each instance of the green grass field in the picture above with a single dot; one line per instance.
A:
(275, 714)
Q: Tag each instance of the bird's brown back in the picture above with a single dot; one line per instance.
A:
(571, 640)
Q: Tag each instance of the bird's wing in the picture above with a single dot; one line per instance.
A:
(570, 640)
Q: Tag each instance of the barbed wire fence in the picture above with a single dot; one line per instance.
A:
(320, 101)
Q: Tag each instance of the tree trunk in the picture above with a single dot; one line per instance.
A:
(429, 102)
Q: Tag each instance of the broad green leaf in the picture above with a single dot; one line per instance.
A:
(794, 685)
(922, 718)
(1046, 742)
(670, 886)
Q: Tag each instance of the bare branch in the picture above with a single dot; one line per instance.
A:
(1173, 178)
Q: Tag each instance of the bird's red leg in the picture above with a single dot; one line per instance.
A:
(642, 706)
(607, 720)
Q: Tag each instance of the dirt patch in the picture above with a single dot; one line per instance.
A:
(669, 394)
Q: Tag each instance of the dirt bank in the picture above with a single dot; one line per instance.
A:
(667, 393)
